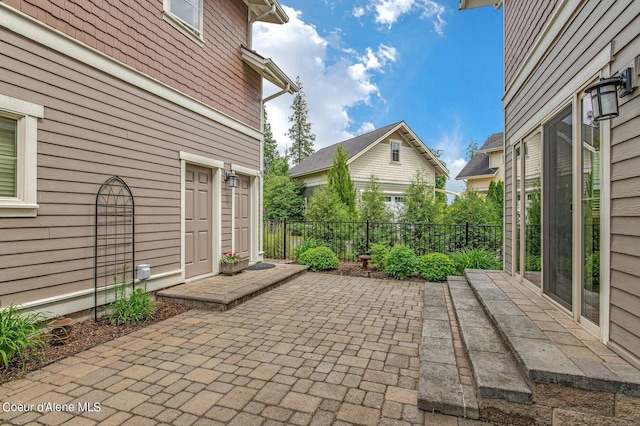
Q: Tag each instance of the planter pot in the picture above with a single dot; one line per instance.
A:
(234, 268)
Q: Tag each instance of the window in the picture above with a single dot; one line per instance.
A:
(395, 151)
(185, 15)
(8, 156)
(18, 157)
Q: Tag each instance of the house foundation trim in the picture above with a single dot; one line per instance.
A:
(28, 27)
(83, 300)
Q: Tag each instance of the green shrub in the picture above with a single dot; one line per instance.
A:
(20, 335)
(307, 244)
(435, 267)
(379, 253)
(132, 308)
(400, 262)
(475, 259)
(592, 272)
(319, 259)
(533, 263)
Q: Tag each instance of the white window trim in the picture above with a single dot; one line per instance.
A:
(193, 33)
(391, 142)
(25, 203)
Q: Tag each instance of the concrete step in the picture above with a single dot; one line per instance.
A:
(496, 374)
(439, 385)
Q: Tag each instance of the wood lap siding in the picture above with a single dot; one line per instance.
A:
(524, 21)
(592, 27)
(135, 33)
(96, 126)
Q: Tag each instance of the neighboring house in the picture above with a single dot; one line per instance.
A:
(166, 95)
(580, 246)
(394, 154)
(486, 166)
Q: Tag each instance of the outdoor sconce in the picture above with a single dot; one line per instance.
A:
(232, 179)
(604, 94)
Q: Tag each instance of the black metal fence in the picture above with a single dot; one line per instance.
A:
(351, 239)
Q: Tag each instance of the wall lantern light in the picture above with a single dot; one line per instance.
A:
(232, 179)
(604, 94)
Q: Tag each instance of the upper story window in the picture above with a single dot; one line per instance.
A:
(185, 15)
(18, 157)
(395, 151)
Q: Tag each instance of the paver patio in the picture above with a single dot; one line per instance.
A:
(321, 349)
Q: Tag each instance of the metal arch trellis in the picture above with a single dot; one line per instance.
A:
(114, 238)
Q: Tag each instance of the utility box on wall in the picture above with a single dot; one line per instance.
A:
(143, 272)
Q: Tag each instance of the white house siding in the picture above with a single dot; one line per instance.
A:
(96, 126)
(592, 27)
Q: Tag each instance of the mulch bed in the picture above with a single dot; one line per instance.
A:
(84, 335)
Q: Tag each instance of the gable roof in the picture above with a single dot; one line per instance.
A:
(495, 142)
(323, 159)
(478, 166)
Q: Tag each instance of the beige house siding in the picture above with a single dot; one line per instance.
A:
(377, 161)
(592, 27)
(96, 126)
(480, 185)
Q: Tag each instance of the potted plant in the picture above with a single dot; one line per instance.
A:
(232, 263)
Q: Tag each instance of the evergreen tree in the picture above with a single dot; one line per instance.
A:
(339, 179)
(441, 182)
(270, 144)
(300, 131)
(420, 204)
(372, 205)
(472, 149)
(471, 207)
(495, 195)
(282, 195)
(325, 206)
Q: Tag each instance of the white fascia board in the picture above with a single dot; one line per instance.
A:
(472, 4)
(476, 177)
(386, 135)
(260, 7)
(32, 29)
(435, 159)
(268, 70)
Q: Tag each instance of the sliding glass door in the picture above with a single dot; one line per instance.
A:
(558, 210)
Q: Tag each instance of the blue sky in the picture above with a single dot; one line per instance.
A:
(364, 64)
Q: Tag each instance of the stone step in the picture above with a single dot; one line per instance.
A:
(564, 361)
(496, 374)
(439, 385)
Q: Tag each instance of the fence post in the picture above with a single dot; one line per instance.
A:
(284, 238)
(466, 236)
(367, 245)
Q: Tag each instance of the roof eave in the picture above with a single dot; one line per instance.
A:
(472, 4)
(476, 176)
(261, 7)
(269, 70)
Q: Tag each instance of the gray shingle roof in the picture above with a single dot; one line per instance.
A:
(323, 158)
(493, 143)
(479, 163)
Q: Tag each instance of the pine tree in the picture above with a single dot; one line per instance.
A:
(300, 131)
(472, 149)
(270, 144)
(339, 179)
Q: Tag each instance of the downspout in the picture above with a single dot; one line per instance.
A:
(253, 20)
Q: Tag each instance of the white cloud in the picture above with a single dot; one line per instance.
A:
(331, 86)
(388, 12)
(450, 141)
